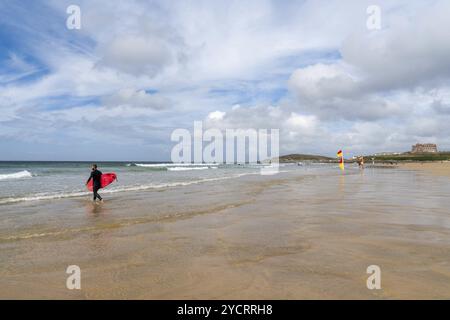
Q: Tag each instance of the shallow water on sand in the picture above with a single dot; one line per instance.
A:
(310, 232)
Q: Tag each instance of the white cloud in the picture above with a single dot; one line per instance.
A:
(137, 98)
(381, 71)
(216, 115)
(331, 93)
(301, 122)
(412, 50)
(321, 81)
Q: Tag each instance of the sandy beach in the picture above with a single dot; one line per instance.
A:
(302, 234)
(435, 168)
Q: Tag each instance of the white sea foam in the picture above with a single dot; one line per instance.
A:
(44, 196)
(169, 165)
(16, 175)
(191, 168)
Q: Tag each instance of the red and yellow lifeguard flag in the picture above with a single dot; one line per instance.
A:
(340, 156)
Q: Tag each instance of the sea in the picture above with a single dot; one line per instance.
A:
(22, 181)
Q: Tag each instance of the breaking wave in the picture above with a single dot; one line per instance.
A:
(168, 165)
(16, 175)
(189, 168)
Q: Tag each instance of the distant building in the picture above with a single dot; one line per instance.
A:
(424, 148)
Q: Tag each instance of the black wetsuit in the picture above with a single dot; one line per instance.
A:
(96, 176)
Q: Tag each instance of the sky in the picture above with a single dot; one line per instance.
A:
(136, 70)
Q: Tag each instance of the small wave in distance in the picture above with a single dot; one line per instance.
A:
(16, 175)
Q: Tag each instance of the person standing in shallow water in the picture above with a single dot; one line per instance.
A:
(96, 177)
(360, 161)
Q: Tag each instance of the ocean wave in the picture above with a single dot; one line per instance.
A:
(44, 196)
(16, 175)
(168, 165)
(189, 168)
(55, 196)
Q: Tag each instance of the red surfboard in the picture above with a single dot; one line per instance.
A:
(106, 179)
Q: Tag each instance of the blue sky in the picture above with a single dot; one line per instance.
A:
(137, 70)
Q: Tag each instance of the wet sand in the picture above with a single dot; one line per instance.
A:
(436, 168)
(297, 235)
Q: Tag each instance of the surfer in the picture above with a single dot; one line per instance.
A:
(96, 176)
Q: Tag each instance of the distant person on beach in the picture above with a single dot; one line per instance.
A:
(360, 161)
(96, 176)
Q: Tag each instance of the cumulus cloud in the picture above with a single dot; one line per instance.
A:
(331, 93)
(216, 115)
(377, 67)
(300, 133)
(412, 50)
(323, 82)
(297, 131)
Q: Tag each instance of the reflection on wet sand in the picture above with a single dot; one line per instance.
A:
(96, 208)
